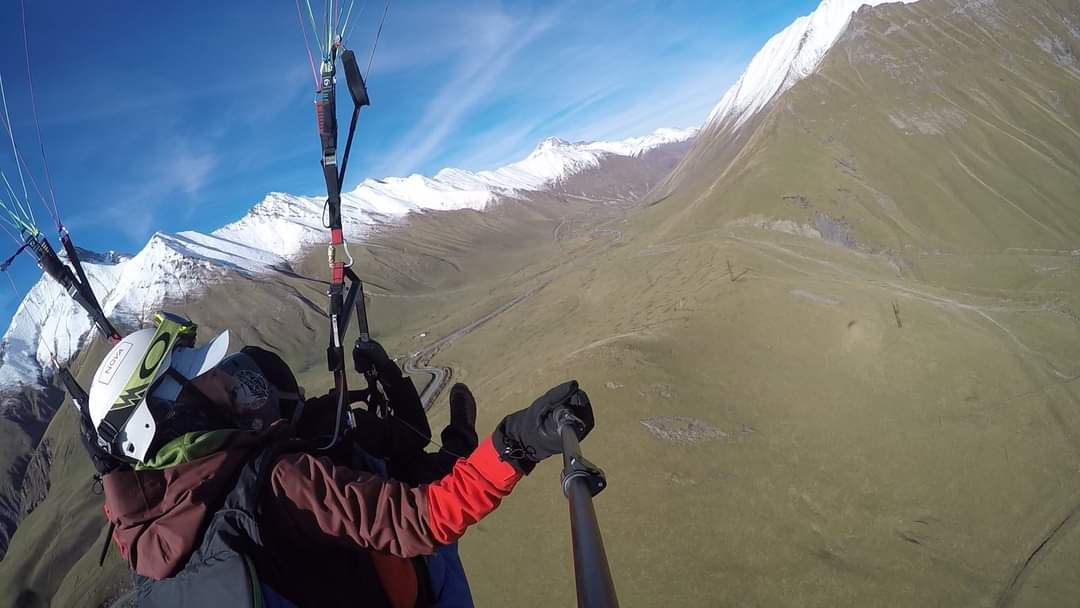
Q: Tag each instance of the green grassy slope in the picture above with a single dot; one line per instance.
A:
(839, 459)
(942, 126)
(65, 528)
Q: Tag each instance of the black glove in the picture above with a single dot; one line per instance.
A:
(104, 462)
(459, 437)
(526, 437)
(371, 355)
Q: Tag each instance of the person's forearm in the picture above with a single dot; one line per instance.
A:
(341, 505)
(474, 487)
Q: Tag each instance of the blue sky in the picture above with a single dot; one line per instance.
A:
(181, 115)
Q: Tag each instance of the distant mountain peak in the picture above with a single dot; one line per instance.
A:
(552, 142)
(786, 58)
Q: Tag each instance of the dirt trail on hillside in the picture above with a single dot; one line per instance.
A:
(419, 362)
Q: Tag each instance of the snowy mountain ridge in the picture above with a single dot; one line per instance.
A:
(48, 325)
(786, 58)
(286, 224)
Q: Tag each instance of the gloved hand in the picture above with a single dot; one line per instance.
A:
(371, 355)
(526, 437)
(459, 437)
(104, 462)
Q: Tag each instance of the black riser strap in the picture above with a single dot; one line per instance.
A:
(76, 263)
(355, 81)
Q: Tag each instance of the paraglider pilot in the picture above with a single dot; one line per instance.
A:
(215, 501)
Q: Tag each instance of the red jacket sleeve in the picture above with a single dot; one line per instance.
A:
(473, 489)
(343, 506)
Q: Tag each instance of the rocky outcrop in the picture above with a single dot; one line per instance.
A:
(24, 458)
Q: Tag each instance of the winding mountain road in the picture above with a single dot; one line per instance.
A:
(419, 362)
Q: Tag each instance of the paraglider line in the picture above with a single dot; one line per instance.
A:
(328, 17)
(37, 126)
(27, 213)
(20, 221)
(8, 232)
(375, 45)
(314, 28)
(307, 44)
(25, 165)
(345, 27)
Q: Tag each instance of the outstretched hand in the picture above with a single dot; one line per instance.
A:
(526, 437)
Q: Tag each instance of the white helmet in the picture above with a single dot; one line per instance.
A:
(142, 364)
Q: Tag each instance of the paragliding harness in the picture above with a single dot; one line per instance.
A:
(76, 285)
(342, 303)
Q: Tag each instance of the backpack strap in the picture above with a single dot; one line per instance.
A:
(242, 506)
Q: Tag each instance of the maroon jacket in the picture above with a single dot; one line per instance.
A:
(160, 515)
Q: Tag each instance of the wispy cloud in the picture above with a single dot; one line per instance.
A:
(188, 172)
(520, 79)
(180, 173)
(499, 38)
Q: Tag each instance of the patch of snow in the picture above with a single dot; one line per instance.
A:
(49, 323)
(786, 58)
(286, 224)
(1060, 50)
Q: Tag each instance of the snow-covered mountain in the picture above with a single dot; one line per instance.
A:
(286, 224)
(786, 58)
(48, 324)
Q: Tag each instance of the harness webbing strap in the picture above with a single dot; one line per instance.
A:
(79, 397)
(76, 263)
(326, 115)
(7, 263)
(340, 306)
(81, 292)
